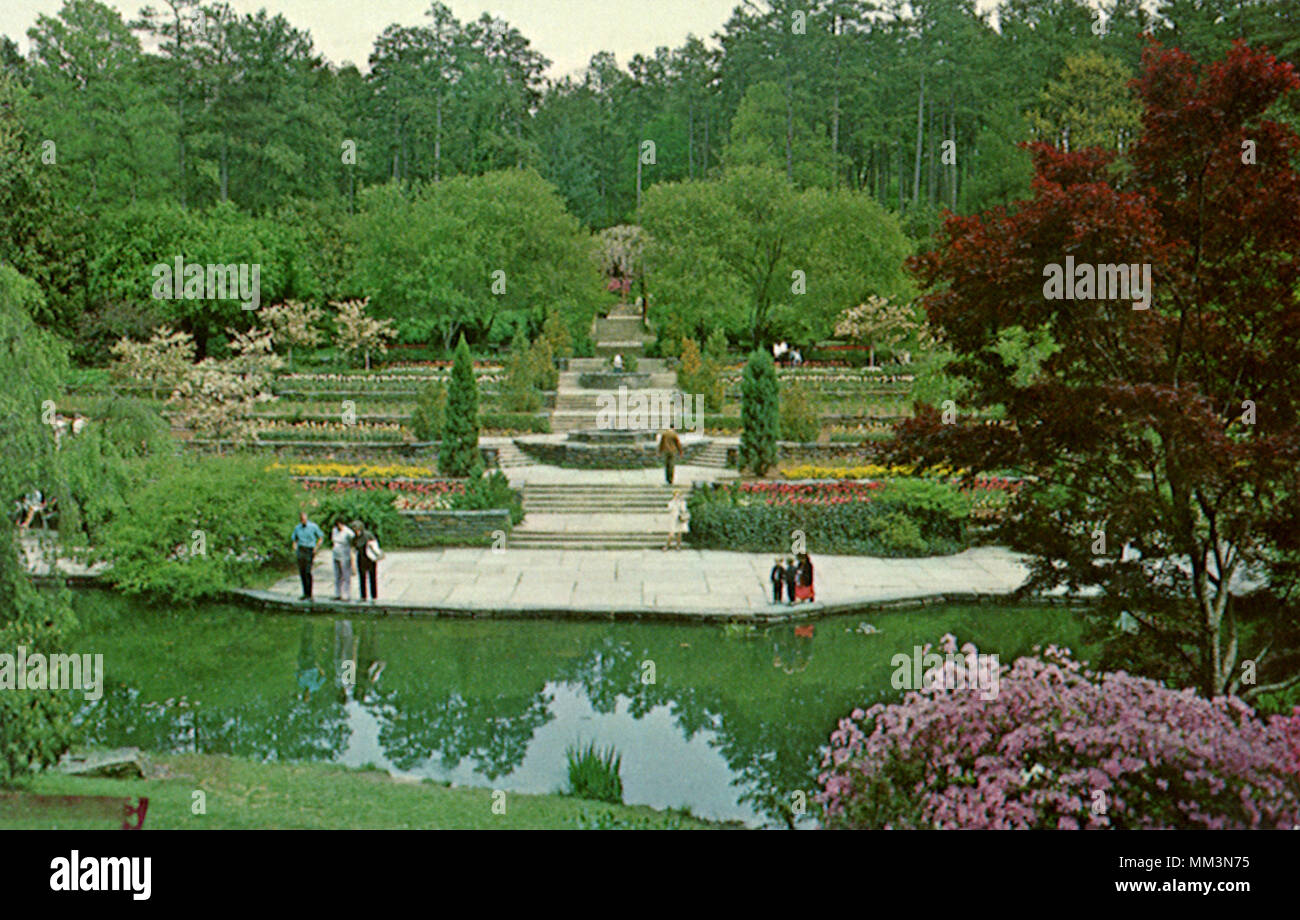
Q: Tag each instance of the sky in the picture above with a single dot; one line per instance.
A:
(568, 32)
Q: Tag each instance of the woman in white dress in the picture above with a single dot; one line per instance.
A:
(679, 519)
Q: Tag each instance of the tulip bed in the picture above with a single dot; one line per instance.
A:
(901, 517)
(408, 495)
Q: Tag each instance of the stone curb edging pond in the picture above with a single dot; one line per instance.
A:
(281, 603)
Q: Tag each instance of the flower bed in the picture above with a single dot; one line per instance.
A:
(408, 494)
(331, 431)
(901, 517)
(358, 470)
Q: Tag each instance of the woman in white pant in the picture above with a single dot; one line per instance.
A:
(342, 536)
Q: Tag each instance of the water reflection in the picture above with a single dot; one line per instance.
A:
(729, 723)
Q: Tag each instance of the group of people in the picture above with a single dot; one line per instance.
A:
(793, 577)
(32, 504)
(784, 353)
(346, 539)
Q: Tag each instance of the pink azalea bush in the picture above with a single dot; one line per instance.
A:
(1062, 747)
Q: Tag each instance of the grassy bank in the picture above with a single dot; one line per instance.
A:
(241, 794)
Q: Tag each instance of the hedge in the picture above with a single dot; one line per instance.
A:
(901, 518)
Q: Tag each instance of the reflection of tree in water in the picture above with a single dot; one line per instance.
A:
(771, 741)
(263, 729)
(493, 732)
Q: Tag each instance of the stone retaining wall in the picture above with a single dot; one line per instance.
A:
(348, 451)
(453, 528)
(579, 455)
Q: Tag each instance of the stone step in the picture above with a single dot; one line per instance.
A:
(620, 328)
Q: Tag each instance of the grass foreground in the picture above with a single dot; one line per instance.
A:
(244, 795)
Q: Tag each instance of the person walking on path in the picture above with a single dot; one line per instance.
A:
(306, 540)
(803, 589)
(679, 518)
(342, 536)
(367, 562)
(671, 447)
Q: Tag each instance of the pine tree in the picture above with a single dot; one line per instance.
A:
(459, 449)
(759, 414)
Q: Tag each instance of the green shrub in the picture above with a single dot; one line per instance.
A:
(487, 491)
(191, 530)
(904, 518)
(516, 421)
(716, 345)
(759, 414)
(373, 507)
(518, 390)
(459, 451)
(430, 413)
(594, 773)
(800, 416)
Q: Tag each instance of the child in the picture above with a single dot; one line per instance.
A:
(778, 579)
(791, 572)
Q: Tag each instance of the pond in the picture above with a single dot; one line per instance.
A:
(725, 721)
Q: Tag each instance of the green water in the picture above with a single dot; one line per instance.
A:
(731, 725)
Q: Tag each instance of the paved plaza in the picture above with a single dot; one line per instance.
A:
(708, 584)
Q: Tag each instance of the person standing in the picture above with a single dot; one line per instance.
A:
(367, 567)
(670, 445)
(804, 583)
(791, 572)
(306, 540)
(341, 537)
(777, 577)
(679, 517)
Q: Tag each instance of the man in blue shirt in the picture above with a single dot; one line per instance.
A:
(306, 540)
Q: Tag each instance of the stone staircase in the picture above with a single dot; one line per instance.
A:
(620, 331)
(593, 516)
(715, 455)
(576, 408)
(510, 457)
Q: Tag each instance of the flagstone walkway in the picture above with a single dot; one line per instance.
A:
(685, 584)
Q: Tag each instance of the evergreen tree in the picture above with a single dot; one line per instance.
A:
(759, 413)
(459, 449)
(430, 413)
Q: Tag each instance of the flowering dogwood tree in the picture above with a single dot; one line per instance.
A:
(158, 363)
(216, 398)
(1060, 747)
(292, 323)
(357, 332)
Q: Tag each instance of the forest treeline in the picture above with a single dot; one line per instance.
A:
(229, 137)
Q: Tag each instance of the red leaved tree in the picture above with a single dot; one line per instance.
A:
(1164, 442)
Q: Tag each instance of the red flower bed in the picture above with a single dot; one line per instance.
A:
(811, 493)
(437, 487)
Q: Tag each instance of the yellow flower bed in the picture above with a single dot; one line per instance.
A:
(365, 470)
(866, 471)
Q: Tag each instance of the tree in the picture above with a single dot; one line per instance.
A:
(430, 413)
(292, 323)
(159, 363)
(877, 322)
(216, 398)
(518, 390)
(356, 332)
(800, 417)
(750, 252)
(459, 450)
(759, 414)
(1162, 440)
(35, 725)
(1088, 105)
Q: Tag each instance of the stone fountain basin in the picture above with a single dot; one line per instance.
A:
(609, 380)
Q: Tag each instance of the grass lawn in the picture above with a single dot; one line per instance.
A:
(241, 794)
